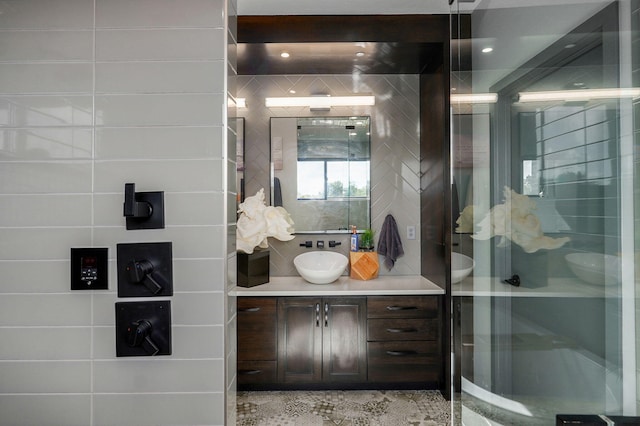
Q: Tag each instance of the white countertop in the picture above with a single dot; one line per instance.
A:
(382, 286)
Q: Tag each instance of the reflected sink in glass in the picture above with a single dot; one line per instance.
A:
(461, 267)
(594, 268)
(320, 267)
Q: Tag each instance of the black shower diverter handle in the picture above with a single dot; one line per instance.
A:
(141, 272)
(133, 208)
(139, 334)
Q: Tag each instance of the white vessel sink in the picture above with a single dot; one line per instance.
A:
(594, 268)
(461, 267)
(320, 267)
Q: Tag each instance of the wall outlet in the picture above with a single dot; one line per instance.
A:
(411, 232)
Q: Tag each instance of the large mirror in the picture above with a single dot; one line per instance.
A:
(320, 172)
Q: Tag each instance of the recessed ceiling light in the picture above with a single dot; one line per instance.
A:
(292, 91)
(359, 54)
(284, 55)
(487, 50)
(570, 46)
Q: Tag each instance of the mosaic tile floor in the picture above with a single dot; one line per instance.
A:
(343, 408)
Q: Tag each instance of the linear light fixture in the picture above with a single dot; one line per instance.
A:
(320, 101)
(474, 98)
(579, 95)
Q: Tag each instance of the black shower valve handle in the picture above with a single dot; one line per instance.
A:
(141, 271)
(139, 334)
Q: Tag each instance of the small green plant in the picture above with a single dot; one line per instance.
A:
(366, 240)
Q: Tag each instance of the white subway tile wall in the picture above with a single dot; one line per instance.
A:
(94, 94)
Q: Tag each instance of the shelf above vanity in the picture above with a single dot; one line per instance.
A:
(382, 286)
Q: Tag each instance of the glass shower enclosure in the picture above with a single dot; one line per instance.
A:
(545, 109)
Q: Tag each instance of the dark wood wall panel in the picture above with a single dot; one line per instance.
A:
(435, 198)
(338, 28)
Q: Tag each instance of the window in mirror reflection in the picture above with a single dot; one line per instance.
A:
(321, 171)
(322, 180)
(333, 158)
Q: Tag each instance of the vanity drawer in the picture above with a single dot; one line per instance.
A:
(403, 362)
(402, 306)
(257, 329)
(257, 372)
(402, 329)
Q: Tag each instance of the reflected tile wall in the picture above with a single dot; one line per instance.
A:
(94, 94)
(395, 150)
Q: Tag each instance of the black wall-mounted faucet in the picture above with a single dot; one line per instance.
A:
(307, 244)
(333, 243)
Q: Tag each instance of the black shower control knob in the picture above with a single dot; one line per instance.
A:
(141, 271)
(138, 270)
(137, 332)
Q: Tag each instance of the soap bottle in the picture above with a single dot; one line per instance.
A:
(354, 239)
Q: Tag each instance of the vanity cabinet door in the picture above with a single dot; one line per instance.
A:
(300, 322)
(322, 339)
(344, 340)
(257, 340)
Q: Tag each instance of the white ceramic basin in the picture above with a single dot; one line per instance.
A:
(461, 267)
(594, 268)
(320, 267)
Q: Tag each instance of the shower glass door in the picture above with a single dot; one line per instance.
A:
(544, 207)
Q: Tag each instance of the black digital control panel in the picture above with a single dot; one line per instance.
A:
(89, 267)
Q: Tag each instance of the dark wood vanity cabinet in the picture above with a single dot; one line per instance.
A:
(336, 342)
(404, 340)
(257, 340)
(322, 340)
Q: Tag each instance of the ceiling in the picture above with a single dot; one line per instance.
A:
(323, 57)
(341, 7)
(517, 34)
(386, 7)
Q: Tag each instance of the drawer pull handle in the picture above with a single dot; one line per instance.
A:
(249, 372)
(401, 353)
(255, 309)
(401, 308)
(402, 330)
